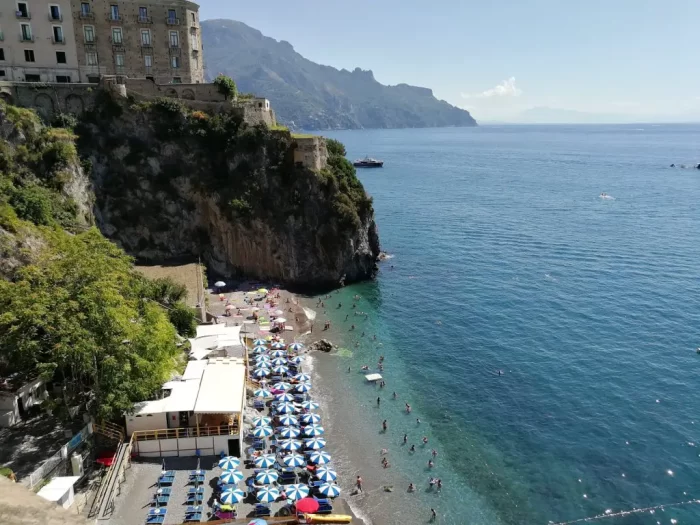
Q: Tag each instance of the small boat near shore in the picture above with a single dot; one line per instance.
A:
(368, 162)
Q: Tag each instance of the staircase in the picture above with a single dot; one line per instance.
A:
(103, 504)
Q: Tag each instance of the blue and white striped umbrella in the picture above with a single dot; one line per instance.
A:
(285, 408)
(294, 460)
(259, 349)
(329, 489)
(288, 432)
(268, 494)
(315, 443)
(229, 463)
(289, 444)
(279, 361)
(296, 491)
(302, 377)
(303, 387)
(261, 372)
(259, 342)
(262, 392)
(281, 369)
(318, 457)
(311, 419)
(262, 359)
(309, 405)
(266, 477)
(288, 420)
(266, 461)
(284, 398)
(296, 360)
(232, 496)
(278, 354)
(277, 346)
(326, 474)
(262, 421)
(261, 432)
(295, 347)
(282, 386)
(231, 476)
(313, 430)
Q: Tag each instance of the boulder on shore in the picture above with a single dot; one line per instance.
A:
(322, 345)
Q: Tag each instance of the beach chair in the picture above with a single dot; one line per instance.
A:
(168, 473)
(324, 506)
(165, 480)
(161, 500)
(287, 477)
(197, 480)
(193, 513)
(155, 519)
(259, 444)
(194, 498)
(258, 404)
(262, 511)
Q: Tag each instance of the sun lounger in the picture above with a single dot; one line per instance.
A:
(155, 519)
(324, 506)
(196, 479)
(156, 516)
(195, 490)
(197, 473)
(262, 511)
(287, 477)
(166, 480)
(194, 499)
(193, 513)
(161, 501)
(168, 473)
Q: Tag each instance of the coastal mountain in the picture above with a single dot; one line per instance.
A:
(306, 95)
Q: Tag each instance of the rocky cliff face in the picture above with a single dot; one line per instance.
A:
(172, 183)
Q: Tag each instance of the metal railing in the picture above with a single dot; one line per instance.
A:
(23, 15)
(186, 432)
(26, 38)
(60, 40)
(172, 21)
(86, 15)
(145, 20)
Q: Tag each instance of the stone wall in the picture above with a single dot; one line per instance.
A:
(49, 99)
(204, 92)
(311, 152)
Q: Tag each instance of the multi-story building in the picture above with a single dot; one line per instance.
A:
(155, 39)
(36, 41)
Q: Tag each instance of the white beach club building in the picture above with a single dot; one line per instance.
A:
(200, 413)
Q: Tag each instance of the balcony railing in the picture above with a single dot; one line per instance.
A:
(186, 432)
(58, 40)
(115, 17)
(26, 38)
(23, 15)
(90, 41)
(55, 18)
(172, 21)
(86, 15)
(145, 20)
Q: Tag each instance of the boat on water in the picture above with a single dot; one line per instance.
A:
(368, 162)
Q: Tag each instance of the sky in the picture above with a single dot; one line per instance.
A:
(626, 60)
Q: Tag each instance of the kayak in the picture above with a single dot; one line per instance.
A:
(327, 518)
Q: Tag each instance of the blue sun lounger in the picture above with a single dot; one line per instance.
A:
(193, 513)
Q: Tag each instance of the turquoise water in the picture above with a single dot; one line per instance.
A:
(505, 258)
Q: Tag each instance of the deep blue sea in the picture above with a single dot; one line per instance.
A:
(506, 258)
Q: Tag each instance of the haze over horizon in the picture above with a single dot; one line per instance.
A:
(628, 58)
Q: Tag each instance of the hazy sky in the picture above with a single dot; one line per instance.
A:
(497, 58)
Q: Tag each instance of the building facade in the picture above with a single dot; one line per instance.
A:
(155, 39)
(37, 42)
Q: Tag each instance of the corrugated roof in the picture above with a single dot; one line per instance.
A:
(222, 390)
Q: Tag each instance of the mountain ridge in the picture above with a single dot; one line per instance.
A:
(307, 95)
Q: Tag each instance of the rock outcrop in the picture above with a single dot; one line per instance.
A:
(173, 183)
(322, 345)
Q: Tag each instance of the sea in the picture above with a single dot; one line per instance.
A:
(545, 337)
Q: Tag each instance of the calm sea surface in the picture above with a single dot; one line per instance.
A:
(506, 258)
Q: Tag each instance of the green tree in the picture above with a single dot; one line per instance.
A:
(335, 148)
(226, 86)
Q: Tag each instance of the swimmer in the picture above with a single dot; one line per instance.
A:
(352, 327)
(425, 440)
(385, 451)
(405, 438)
(379, 400)
(412, 449)
(439, 485)
(430, 463)
(417, 421)
(434, 453)
(346, 317)
(348, 370)
(375, 337)
(395, 395)
(411, 487)
(408, 408)
(385, 425)
(364, 367)
(432, 482)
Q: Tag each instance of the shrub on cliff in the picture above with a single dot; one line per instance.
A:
(226, 86)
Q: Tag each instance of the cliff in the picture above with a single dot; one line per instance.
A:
(171, 182)
(307, 95)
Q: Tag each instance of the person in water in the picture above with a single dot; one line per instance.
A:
(411, 487)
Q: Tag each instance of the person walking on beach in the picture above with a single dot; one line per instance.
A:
(433, 515)
(385, 425)
(379, 400)
(405, 438)
(358, 484)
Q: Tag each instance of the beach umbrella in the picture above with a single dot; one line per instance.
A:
(278, 361)
(262, 421)
(282, 386)
(296, 360)
(303, 387)
(266, 461)
(302, 377)
(288, 420)
(266, 477)
(277, 346)
(285, 408)
(309, 405)
(315, 443)
(319, 457)
(219, 284)
(259, 342)
(284, 398)
(231, 476)
(329, 489)
(280, 320)
(289, 444)
(294, 460)
(262, 358)
(278, 353)
(296, 491)
(257, 521)
(311, 419)
(262, 290)
(307, 505)
(261, 372)
(259, 349)
(261, 432)
(280, 369)
(295, 347)
(288, 432)
(267, 494)
(229, 463)
(326, 474)
(232, 496)
(313, 430)
(262, 392)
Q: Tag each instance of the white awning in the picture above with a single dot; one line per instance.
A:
(183, 397)
(194, 370)
(222, 390)
(204, 330)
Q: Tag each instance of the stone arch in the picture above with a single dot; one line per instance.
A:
(188, 94)
(44, 105)
(171, 93)
(75, 104)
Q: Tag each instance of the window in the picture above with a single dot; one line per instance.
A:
(89, 34)
(172, 16)
(174, 39)
(58, 34)
(2, 73)
(196, 63)
(65, 79)
(84, 8)
(94, 79)
(145, 37)
(91, 59)
(2, 53)
(119, 60)
(32, 78)
(54, 12)
(113, 12)
(60, 57)
(177, 80)
(143, 14)
(148, 60)
(195, 42)
(117, 35)
(194, 18)
(26, 32)
(29, 55)
(175, 61)
(22, 10)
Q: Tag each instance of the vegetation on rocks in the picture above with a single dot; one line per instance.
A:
(226, 86)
